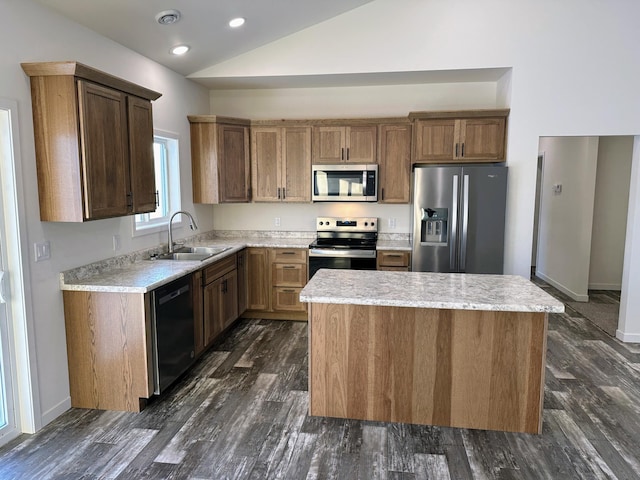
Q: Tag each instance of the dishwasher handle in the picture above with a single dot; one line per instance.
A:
(171, 295)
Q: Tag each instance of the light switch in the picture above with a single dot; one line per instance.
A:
(557, 188)
(42, 251)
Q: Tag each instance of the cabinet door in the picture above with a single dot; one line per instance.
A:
(233, 163)
(259, 284)
(295, 172)
(198, 313)
(482, 139)
(213, 310)
(243, 276)
(435, 140)
(104, 144)
(395, 164)
(361, 144)
(266, 153)
(141, 161)
(329, 144)
(229, 298)
(204, 163)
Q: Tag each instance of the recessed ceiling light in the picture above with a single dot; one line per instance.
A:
(236, 22)
(180, 49)
(167, 17)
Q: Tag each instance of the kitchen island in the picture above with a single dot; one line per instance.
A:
(455, 350)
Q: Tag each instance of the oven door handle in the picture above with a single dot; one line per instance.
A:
(323, 252)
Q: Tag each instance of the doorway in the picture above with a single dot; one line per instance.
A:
(580, 231)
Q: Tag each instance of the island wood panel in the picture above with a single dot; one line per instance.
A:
(459, 368)
(108, 349)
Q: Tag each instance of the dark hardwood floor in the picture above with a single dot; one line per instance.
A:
(242, 413)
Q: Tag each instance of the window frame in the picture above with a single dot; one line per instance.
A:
(169, 175)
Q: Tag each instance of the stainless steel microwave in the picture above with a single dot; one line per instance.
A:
(344, 182)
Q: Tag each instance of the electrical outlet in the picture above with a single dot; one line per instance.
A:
(392, 223)
(116, 243)
(42, 251)
(277, 221)
(557, 188)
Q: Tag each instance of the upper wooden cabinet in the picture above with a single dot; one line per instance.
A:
(335, 144)
(220, 159)
(94, 143)
(394, 163)
(281, 164)
(460, 136)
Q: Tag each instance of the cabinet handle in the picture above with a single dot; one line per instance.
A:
(129, 199)
(157, 198)
(278, 193)
(394, 255)
(347, 154)
(284, 193)
(342, 154)
(382, 193)
(224, 286)
(288, 267)
(288, 290)
(462, 155)
(287, 253)
(456, 150)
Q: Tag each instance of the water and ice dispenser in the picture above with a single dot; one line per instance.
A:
(434, 228)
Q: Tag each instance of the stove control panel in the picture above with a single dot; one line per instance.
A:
(347, 224)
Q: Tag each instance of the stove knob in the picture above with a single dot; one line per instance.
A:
(366, 223)
(321, 223)
(373, 224)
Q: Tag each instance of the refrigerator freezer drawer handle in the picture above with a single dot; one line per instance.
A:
(465, 222)
(453, 263)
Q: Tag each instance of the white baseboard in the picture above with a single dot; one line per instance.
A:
(605, 286)
(53, 413)
(575, 296)
(628, 337)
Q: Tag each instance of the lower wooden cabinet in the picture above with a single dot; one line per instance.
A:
(109, 347)
(243, 276)
(393, 260)
(220, 297)
(276, 277)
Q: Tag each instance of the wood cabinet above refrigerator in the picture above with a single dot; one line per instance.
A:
(94, 143)
(459, 136)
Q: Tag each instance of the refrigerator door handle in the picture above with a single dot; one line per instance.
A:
(453, 244)
(465, 222)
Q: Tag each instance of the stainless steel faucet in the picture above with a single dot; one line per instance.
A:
(192, 225)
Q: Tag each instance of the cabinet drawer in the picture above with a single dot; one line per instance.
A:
(393, 259)
(290, 255)
(288, 299)
(289, 275)
(394, 269)
(219, 268)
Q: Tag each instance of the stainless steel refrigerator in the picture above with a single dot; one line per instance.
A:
(458, 218)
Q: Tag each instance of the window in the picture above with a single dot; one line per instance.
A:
(167, 169)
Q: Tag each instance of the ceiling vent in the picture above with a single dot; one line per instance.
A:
(167, 17)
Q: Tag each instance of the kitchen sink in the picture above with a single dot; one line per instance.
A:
(193, 253)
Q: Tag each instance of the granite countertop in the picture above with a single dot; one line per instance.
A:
(400, 245)
(429, 290)
(141, 275)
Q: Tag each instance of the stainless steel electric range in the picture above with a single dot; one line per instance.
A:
(347, 243)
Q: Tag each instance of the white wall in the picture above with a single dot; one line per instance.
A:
(564, 240)
(610, 213)
(574, 72)
(35, 34)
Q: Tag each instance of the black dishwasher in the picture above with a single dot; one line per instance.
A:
(172, 326)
